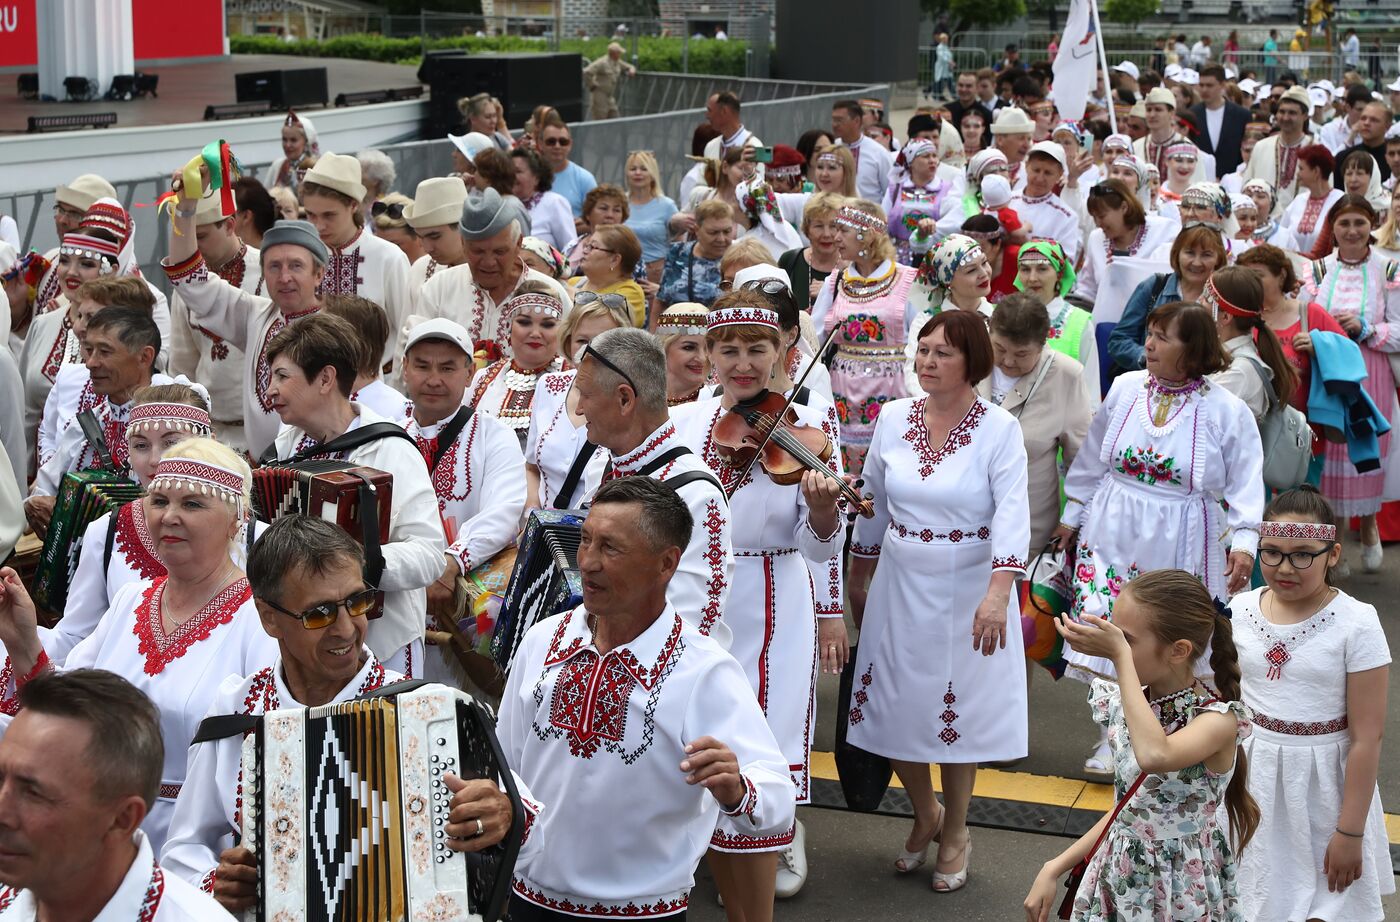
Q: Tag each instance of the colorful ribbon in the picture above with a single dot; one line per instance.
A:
(223, 168)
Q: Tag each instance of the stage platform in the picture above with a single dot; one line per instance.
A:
(185, 89)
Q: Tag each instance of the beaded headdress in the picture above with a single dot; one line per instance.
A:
(85, 247)
(200, 477)
(686, 319)
(533, 302)
(179, 416)
(856, 219)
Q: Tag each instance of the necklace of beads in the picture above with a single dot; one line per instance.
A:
(1163, 399)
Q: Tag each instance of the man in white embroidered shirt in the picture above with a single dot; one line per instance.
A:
(71, 845)
(308, 582)
(622, 701)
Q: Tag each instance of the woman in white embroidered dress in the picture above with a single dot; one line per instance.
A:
(118, 547)
(777, 531)
(1306, 215)
(557, 430)
(1122, 228)
(941, 675)
(505, 389)
(1361, 289)
(179, 636)
(1315, 669)
(1164, 449)
(869, 301)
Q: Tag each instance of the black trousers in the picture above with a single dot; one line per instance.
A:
(525, 911)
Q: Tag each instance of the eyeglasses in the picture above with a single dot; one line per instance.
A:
(1298, 560)
(394, 211)
(589, 350)
(557, 142)
(590, 247)
(358, 605)
(67, 212)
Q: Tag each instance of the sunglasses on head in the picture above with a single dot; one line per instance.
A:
(358, 605)
(394, 211)
(767, 286)
(610, 299)
(603, 360)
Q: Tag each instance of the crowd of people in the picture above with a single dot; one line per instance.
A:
(1154, 368)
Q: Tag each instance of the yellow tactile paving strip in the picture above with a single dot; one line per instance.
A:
(1050, 790)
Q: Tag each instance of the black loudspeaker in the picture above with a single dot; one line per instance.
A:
(520, 81)
(284, 89)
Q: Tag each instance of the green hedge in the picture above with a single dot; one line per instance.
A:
(653, 54)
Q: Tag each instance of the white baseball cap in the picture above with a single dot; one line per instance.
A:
(1126, 67)
(1051, 149)
(1172, 72)
(1248, 86)
(1394, 87)
(441, 328)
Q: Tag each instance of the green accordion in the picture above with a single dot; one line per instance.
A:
(83, 497)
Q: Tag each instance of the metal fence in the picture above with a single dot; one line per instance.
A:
(775, 110)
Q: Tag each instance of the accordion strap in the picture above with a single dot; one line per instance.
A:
(92, 431)
(369, 525)
(346, 441)
(223, 726)
(564, 498)
(449, 433)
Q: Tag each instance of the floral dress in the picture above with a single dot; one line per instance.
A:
(869, 367)
(1166, 855)
(1145, 491)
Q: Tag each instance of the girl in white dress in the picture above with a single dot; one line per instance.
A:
(946, 544)
(1144, 492)
(777, 531)
(178, 637)
(1316, 666)
(557, 430)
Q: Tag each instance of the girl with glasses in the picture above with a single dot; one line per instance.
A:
(1314, 664)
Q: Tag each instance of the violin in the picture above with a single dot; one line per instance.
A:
(765, 429)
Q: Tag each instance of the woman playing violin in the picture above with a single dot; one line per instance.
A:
(777, 530)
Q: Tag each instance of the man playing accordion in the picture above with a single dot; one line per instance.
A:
(311, 595)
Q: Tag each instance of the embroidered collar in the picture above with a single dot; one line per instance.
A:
(372, 675)
(1035, 199)
(133, 539)
(645, 656)
(159, 649)
(349, 244)
(659, 441)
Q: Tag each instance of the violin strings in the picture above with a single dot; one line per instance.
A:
(803, 453)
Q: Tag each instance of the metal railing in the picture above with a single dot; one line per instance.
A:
(775, 110)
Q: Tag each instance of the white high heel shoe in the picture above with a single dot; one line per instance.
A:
(911, 861)
(958, 879)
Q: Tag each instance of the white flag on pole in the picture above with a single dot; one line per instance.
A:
(1076, 63)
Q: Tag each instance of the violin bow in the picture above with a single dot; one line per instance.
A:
(787, 405)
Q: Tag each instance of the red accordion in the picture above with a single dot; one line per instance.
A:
(356, 498)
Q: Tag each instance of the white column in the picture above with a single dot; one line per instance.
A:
(84, 38)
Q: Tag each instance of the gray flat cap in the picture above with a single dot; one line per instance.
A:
(485, 214)
(297, 233)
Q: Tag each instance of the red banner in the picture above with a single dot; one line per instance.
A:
(19, 34)
(162, 29)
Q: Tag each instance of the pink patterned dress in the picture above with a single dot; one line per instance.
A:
(869, 367)
(1370, 289)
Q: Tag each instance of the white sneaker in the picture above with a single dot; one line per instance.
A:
(1099, 765)
(792, 866)
(1371, 557)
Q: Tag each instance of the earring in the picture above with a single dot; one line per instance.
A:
(860, 235)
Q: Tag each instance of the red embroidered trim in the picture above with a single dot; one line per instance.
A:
(532, 810)
(739, 842)
(1013, 562)
(928, 535)
(170, 791)
(492, 372)
(7, 896)
(206, 884)
(10, 704)
(714, 556)
(263, 369)
(133, 539)
(948, 735)
(958, 437)
(861, 696)
(601, 910)
(624, 465)
(193, 269)
(557, 384)
(151, 904)
(343, 270)
(748, 803)
(865, 550)
(1301, 728)
(233, 271)
(58, 350)
(41, 665)
(263, 690)
(160, 649)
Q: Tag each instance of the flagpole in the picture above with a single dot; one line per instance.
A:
(1103, 62)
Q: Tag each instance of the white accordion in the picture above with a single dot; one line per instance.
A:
(346, 809)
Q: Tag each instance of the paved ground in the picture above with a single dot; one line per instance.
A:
(851, 854)
(186, 89)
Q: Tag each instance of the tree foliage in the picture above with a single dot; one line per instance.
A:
(1129, 11)
(967, 14)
